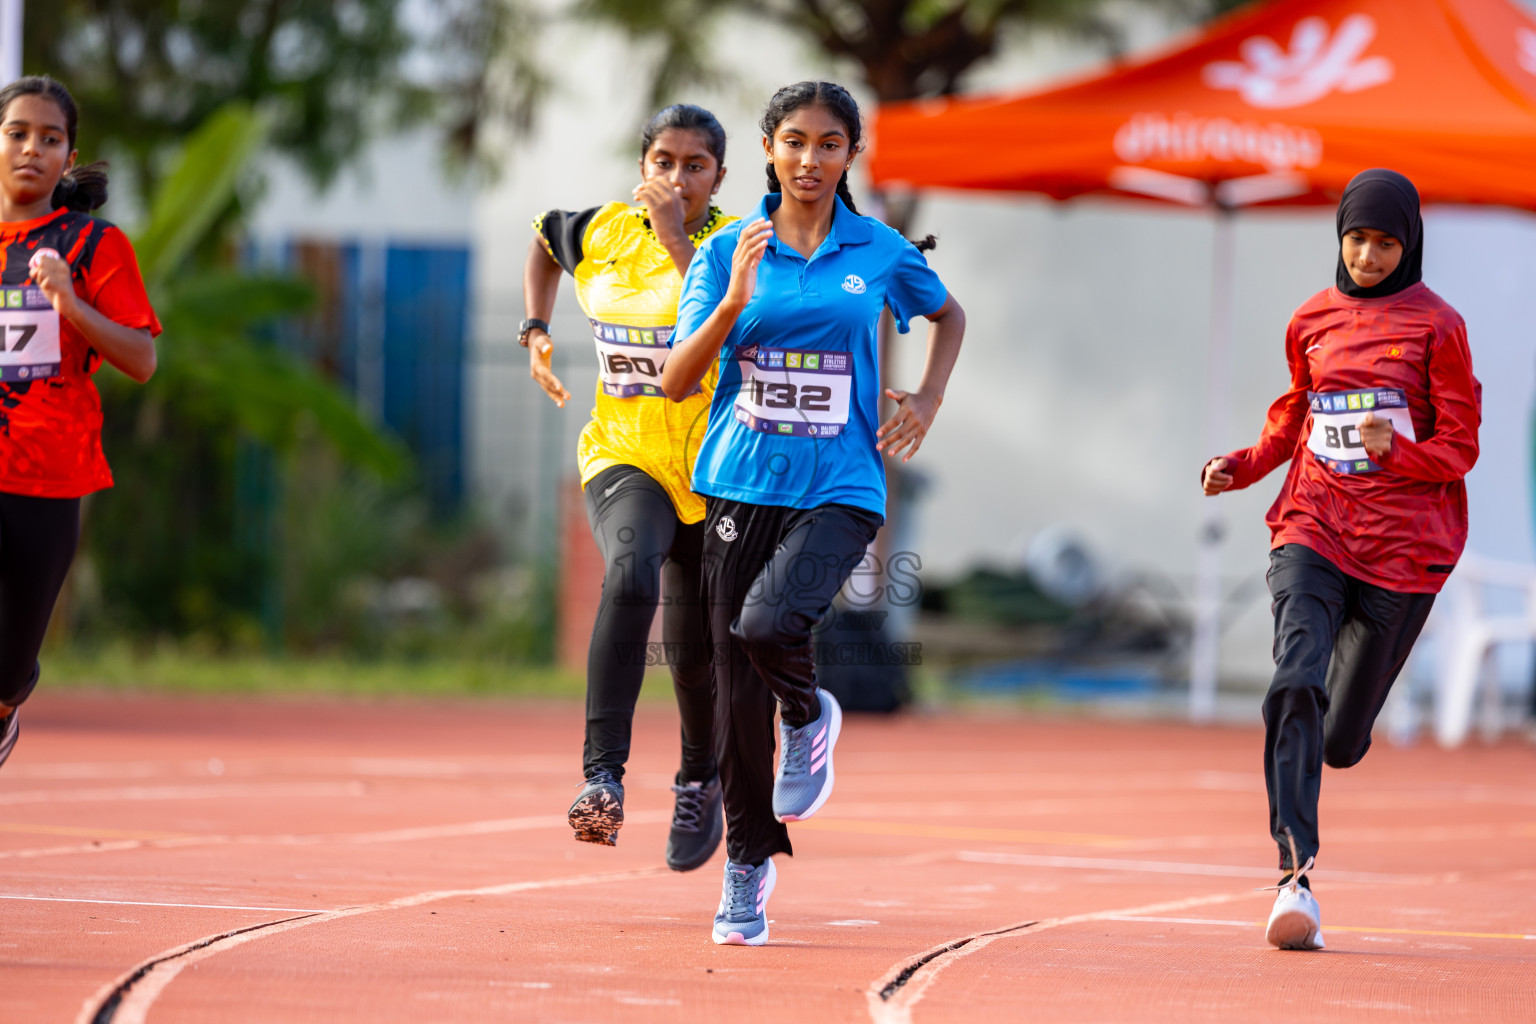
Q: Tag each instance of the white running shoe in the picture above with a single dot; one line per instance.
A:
(1297, 921)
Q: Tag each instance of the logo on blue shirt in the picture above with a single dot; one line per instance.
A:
(853, 284)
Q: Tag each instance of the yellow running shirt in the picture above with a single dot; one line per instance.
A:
(628, 287)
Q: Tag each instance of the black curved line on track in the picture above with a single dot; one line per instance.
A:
(906, 973)
(109, 1006)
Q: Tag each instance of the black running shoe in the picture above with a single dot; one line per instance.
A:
(598, 813)
(8, 733)
(698, 822)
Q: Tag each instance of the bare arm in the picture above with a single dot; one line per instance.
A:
(130, 349)
(915, 410)
(541, 283)
(691, 358)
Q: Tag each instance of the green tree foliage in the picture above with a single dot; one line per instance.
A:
(148, 72)
(199, 452)
(905, 49)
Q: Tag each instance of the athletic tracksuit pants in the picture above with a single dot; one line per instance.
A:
(649, 557)
(38, 537)
(770, 574)
(1339, 645)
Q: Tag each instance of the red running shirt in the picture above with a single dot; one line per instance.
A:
(50, 430)
(1401, 526)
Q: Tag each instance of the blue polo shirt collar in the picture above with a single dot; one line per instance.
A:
(848, 228)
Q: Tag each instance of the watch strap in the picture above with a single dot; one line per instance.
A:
(530, 324)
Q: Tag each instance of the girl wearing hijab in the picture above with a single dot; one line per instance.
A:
(1379, 426)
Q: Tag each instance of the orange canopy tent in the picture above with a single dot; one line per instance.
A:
(1278, 102)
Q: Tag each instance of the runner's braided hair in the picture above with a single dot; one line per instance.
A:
(838, 102)
(685, 117)
(82, 188)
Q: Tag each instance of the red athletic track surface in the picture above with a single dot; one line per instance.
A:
(287, 861)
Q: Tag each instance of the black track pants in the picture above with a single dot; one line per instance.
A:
(770, 574)
(1339, 645)
(649, 557)
(38, 537)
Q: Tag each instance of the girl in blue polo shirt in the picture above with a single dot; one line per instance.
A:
(788, 300)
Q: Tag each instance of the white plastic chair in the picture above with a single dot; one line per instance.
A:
(1468, 636)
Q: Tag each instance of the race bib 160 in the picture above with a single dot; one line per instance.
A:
(629, 359)
(1336, 417)
(29, 335)
(794, 393)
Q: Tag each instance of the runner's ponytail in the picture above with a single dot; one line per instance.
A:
(837, 101)
(844, 194)
(82, 188)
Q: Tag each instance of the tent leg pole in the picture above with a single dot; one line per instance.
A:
(10, 40)
(1205, 645)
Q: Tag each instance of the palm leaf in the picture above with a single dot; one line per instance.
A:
(198, 189)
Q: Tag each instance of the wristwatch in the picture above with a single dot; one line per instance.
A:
(532, 323)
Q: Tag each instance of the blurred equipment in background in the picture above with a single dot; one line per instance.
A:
(1060, 562)
(859, 662)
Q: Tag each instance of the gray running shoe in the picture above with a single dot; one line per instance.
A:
(598, 812)
(697, 824)
(8, 733)
(742, 919)
(804, 780)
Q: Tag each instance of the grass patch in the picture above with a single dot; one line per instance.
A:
(173, 670)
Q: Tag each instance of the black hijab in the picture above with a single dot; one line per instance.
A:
(1385, 201)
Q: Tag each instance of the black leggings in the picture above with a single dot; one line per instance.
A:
(647, 553)
(38, 537)
(1339, 644)
(770, 574)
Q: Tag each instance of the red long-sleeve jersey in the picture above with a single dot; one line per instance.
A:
(1399, 522)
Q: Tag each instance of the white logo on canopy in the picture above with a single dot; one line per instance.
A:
(1316, 66)
(1527, 49)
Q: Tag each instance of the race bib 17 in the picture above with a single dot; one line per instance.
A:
(29, 335)
(629, 359)
(1336, 417)
(794, 394)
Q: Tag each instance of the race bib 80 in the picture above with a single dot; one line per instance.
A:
(795, 394)
(629, 359)
(1336, 417)
(29, 335)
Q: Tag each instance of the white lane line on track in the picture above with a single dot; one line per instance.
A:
(1431, 933)
(146, 980)
(1186, 920)
(897, 1009)
(205, 791)
(381, 767)
(1170, 867)
(141, 903)
(494, 826)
